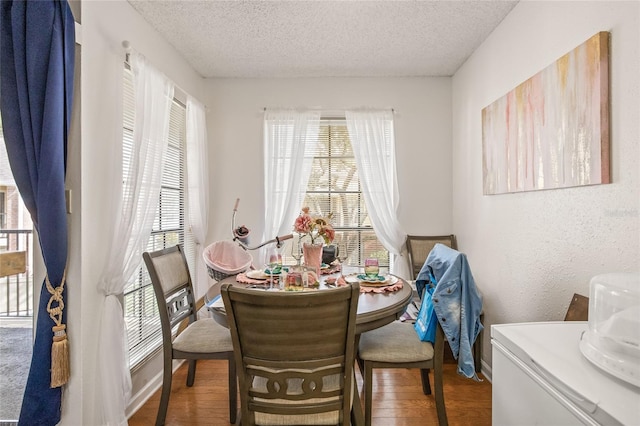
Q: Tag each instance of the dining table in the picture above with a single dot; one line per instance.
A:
(377, 306)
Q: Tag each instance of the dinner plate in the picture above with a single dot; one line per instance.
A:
(257, 274)
(382, 281)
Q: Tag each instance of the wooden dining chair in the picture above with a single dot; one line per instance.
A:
(295, 354)
(419, 247)
(397, 345)
(201, 339)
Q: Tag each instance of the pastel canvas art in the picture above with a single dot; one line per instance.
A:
(551, 131)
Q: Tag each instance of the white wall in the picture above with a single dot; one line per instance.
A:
(531, 251)
(422, 130)
(105, 24)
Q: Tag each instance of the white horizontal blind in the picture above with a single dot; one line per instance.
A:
(334, 187)
(140, 307)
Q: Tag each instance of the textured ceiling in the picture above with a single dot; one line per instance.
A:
(324, 38)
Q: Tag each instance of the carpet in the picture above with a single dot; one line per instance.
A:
(15, 357)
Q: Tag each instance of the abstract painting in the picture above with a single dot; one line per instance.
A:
(551, 131)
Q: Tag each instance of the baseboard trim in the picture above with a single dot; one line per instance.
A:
(486, 371)
(143, 395)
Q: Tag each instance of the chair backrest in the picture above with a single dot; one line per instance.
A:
(296, 351)
(172, 286)
(419, 247)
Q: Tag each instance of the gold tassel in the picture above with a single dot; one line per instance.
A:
(60, 345)
(59, 357)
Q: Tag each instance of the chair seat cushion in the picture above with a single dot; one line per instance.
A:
(204, 336)
(395, 342)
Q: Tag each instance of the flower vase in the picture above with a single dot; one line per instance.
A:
(312, 255)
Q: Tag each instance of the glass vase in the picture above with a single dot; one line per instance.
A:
(312, 255)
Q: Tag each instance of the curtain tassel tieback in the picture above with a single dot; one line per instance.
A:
(60, 346)
(59, 357)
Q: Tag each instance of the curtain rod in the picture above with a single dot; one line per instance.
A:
(127, 47)
(334, 109)
(334, 113)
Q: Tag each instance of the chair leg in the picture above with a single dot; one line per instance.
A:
(477, 353)
(356, 409)
(233, 389)
(441, 409)
(477, 349)
(368, 392)
(426, 386)
(191, 374)
(358, 360)
(166, 392)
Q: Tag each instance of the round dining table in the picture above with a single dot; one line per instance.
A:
(375, 309)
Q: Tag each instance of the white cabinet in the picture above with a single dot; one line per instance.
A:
(540, 377)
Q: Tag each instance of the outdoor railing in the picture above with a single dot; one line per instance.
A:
(16, 274)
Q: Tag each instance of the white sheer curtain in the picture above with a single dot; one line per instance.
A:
(197, 187)
(138, 200)
(288, 135)
(373, 141)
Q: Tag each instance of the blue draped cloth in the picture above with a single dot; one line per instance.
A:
(37, 42)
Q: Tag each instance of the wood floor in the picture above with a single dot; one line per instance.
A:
(397, 399)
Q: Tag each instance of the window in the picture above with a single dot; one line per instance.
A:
(140, 307)
(334, 187)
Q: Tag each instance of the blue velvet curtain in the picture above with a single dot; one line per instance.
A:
(37, 42)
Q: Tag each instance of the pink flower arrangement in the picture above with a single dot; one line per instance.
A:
(314, 226)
